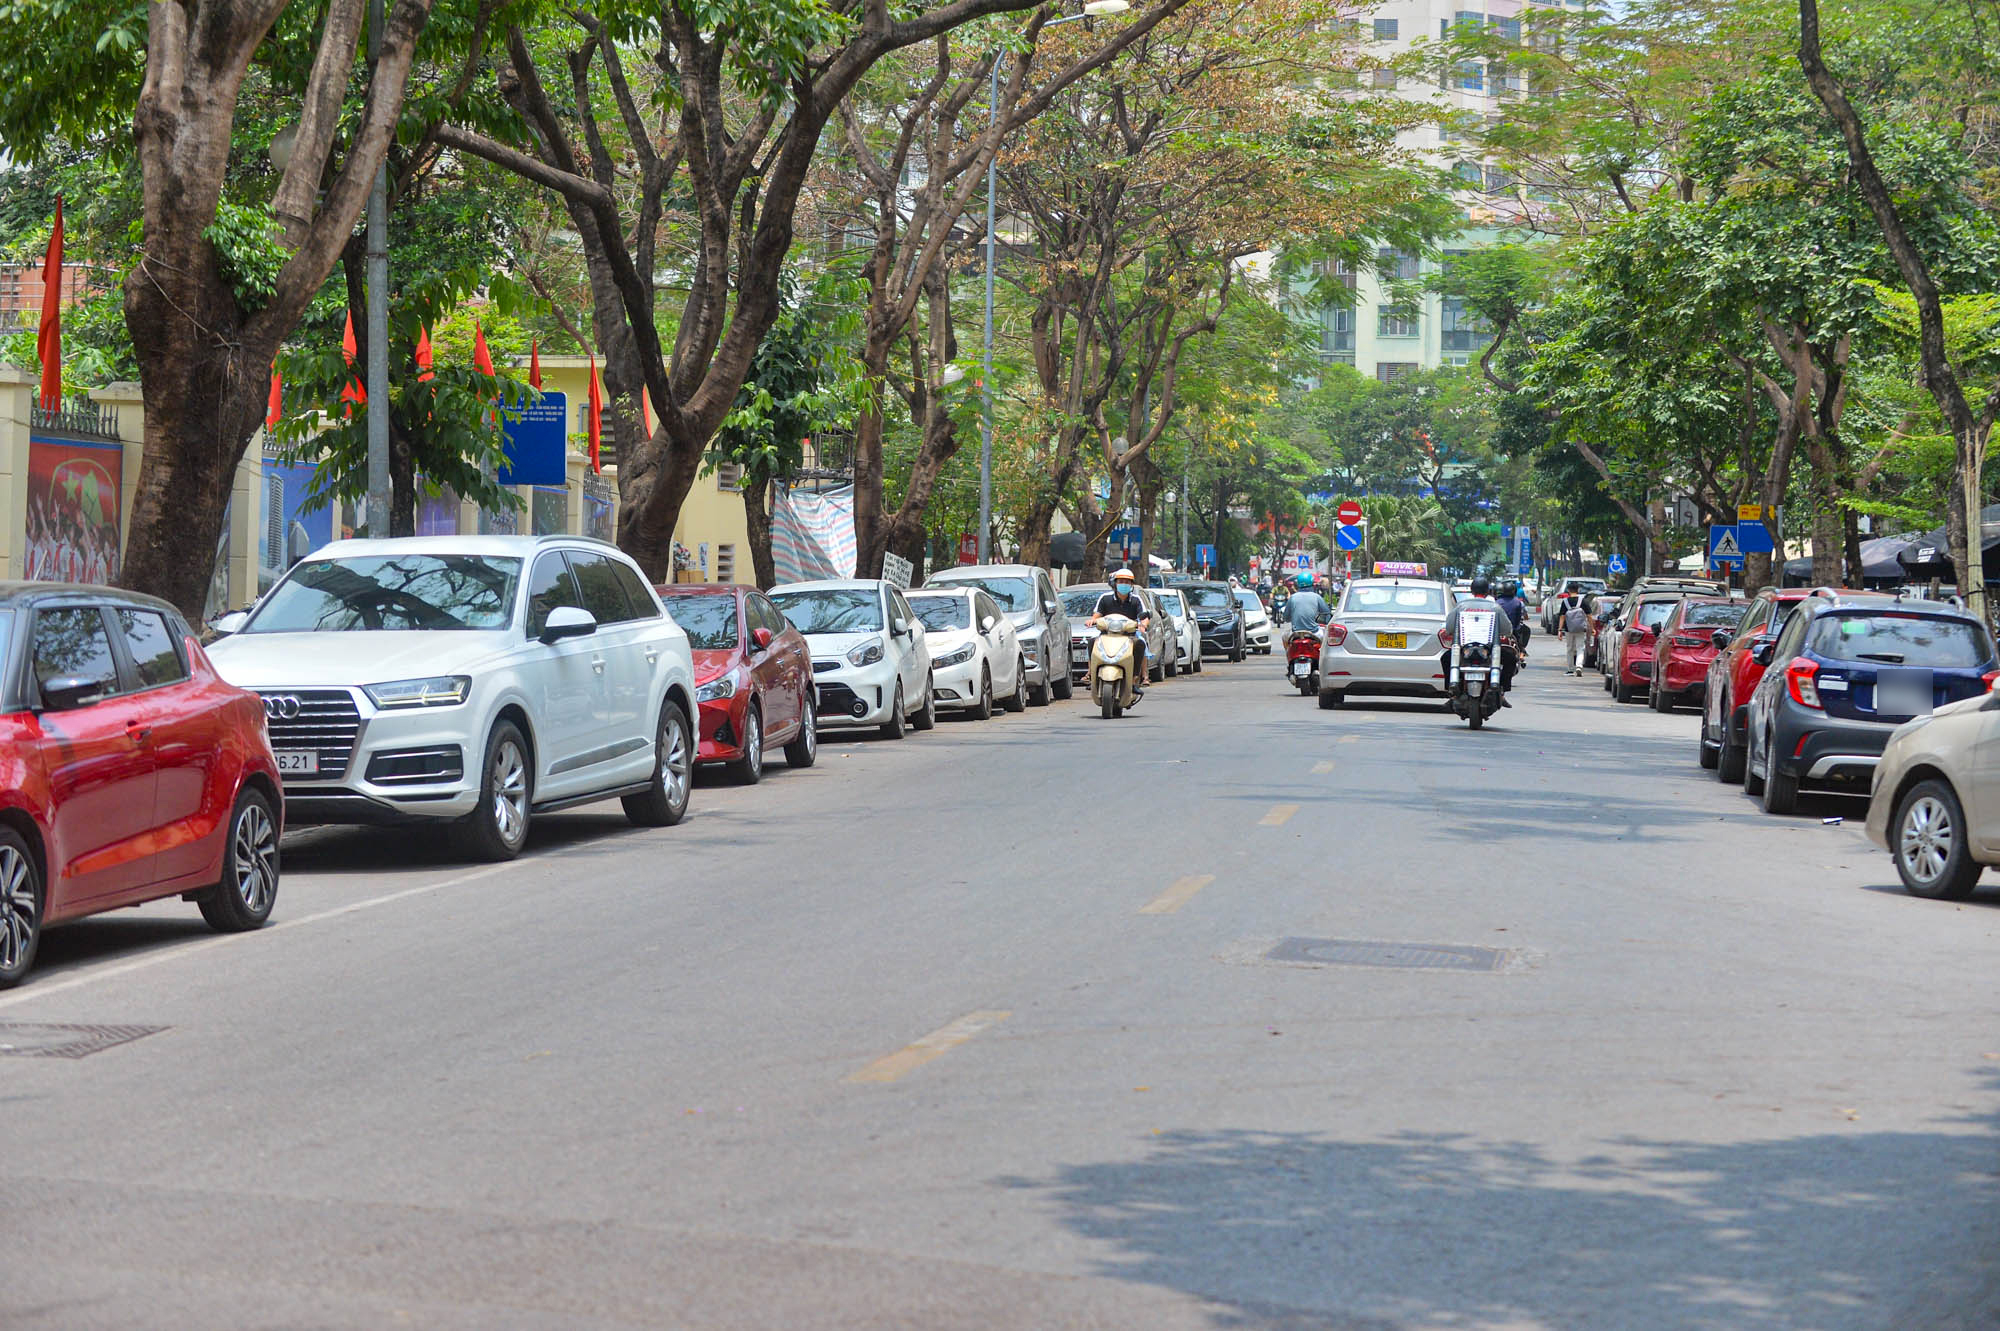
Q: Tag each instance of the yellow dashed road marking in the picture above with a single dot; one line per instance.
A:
(1321, 769)
(1178, 895)
(1278, 815)
(917, 1053)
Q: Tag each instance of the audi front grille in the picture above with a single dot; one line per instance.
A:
(325, 721)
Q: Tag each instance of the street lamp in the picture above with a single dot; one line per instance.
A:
(1091, 9)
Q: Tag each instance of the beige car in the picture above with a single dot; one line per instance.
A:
(1935, 801)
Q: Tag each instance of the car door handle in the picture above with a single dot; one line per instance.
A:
(139, 734)
(597, 664)
(652, 656)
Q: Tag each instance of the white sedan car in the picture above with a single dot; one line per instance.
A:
(1187, 632)
(476, 680)
(1384, 640)
(976, 653)
(871, 665)
(1256, 621)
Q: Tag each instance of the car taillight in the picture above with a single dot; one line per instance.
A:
(1444, 637)
(1989, 679)
(1635, 635)
(1689, 642)
(1799, 681)
(1336, 634)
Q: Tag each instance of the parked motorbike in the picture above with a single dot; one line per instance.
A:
(1302, 661)
(1473, 667)
(1113, 681)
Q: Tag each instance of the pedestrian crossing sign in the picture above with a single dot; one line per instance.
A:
(1723, 547)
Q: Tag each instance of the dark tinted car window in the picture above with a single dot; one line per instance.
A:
(1892, 639)
(636, 594)
(155, 654)
(708, 618)
(550, 586)
(1209, 596)
(603, 593)
(1712, 616)
(70, 643)
(1652, 614)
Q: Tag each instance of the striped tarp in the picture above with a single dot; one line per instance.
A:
(812, 535)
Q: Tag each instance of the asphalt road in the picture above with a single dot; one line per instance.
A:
(983, 1030)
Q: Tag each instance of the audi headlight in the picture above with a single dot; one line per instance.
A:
(959, 657)
(436, 691)
(1115, 648)
(723, 686)
(866, 653)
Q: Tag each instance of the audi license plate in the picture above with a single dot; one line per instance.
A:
(1392, 642)
(297, 762)
(1302, 668)
(1079, 654)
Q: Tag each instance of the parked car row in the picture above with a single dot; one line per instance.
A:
(474, 684)
(1876, 694)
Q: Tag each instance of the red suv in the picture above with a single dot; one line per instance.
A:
(1733, 675)
(1688, 641)
(753, 677)
(129, 770)
(1626, 645)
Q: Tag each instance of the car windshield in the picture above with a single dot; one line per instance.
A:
(1586, 584)
(709, 619)
(1396, 600)
(1248, 599)
(374, 592)
(832, 610)
(1172, 604)
(1011, 593)
(941, 613)
(1082, 600)
(1652, 614)
(1209, 598)
(1704, 615)
(1891, 639)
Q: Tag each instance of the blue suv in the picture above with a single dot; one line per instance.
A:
(1844, 673)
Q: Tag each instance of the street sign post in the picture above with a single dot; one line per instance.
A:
(1617, 564)
(1351, 537)
(896, 569)
(1349, 513)
(1724, 549)
(1525, 560)
(1204, 555)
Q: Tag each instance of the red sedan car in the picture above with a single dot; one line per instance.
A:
(1688, 641)
(753, 677)
(1626, 646)
(129, 770)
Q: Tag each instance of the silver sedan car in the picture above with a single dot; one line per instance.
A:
(1384, 641)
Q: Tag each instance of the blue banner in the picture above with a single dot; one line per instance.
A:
(538, 443)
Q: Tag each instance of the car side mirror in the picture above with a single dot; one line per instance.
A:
(1764, 652)
(901, 628)
(762, 637)
(1720, 638)
(986, 624)
(224, 625)
(568, 621)
(66, 693)
(1049, 607)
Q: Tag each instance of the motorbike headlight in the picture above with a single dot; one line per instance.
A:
(722, 686)
(1115, 648)
(959, 657)
(866, 653)
(432, 691)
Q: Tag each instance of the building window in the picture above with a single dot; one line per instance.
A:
(1471, 76)
(1507, 28)
(1498, 181)
(725, 563)
(1395, 266)
(1470, 173)
(729, 476)
(1385, 78)
(1386, 29)
(1397, 321)
(1336, 332)
(1459, 329)
(1389, 371)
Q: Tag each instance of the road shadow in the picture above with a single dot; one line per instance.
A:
(1834, 1229)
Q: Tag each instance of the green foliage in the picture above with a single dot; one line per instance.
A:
(803, 379)
(247, 252)
(69, 71)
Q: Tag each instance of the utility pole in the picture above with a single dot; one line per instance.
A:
(378, 318)
(986, 355)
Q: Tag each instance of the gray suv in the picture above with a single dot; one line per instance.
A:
(1029, 599)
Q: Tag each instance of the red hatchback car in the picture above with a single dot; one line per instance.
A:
(1625, 648)
(1688, 641)
(129, 770)
(753, 677)
(1733, 676)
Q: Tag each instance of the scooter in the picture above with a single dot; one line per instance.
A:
(1302, 660)
(1473, 668)
(1111, 676)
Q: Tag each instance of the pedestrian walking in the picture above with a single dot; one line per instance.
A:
(1576, 633)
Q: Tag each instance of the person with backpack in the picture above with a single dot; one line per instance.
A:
(1576, 635)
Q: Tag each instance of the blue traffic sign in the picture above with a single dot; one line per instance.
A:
(1618, 564)
(1724, 551)
(1205, 555)
(537, 443)
(1527, 559)
(1754, 538)
(1350, 538)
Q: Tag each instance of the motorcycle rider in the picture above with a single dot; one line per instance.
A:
(1517, 613)
(1307, 608)
(1482, 599)
(1123, 599)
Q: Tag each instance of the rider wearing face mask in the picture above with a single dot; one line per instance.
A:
(1482, 590)
(1124, 599)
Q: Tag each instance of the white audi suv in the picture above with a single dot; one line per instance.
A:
(475, 680)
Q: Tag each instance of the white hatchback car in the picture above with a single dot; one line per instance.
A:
(1256, 621)
(976, 652)
(478, 680)
(870, 660)
(1187, 633)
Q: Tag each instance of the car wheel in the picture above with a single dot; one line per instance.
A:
(803, 751)
(497, 827)
(1017, 701)
(665, 802)
(749, 769)
(1330, 699)
(897, 724)
(926, 716)
(1196, 667)
(1621, 691)
(1660, 699)
(1928, 836)
(1753, 781)
(983, 711)
(249, 888)
(1236, 652)
(1728, 753)
(20, 907)
(1781, 788)
(1062, 686)
(1707, 755)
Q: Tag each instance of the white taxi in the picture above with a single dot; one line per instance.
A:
(1385, 640)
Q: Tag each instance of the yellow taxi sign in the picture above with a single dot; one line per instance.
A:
(1749, 512)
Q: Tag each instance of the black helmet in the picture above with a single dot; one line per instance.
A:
(1513, 588)
(1481, 585)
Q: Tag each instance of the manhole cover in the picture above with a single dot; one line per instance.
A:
(1403, 956)
(34, 1039)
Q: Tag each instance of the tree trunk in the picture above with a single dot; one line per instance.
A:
(871, 536)
(757, 518)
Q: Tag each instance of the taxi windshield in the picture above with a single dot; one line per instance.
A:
(1396, 600)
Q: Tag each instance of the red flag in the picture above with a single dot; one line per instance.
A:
(424, 371)
(272, 412)
(596, 418)
(645, 416)
(48, 341)
(349, 345)
(535, 364)
(482, 359)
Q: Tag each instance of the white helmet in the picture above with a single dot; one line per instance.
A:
(1123, 574)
